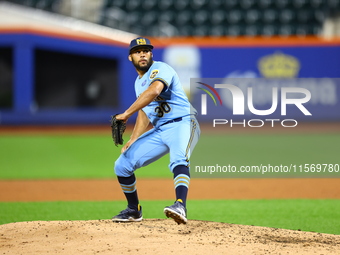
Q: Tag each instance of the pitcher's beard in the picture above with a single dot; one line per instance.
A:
(144, 68)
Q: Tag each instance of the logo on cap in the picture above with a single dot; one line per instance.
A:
(141, 41)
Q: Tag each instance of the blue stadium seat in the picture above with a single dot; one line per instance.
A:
(333, 4)
(304, 15)
(149, 5)
(316, 3)
(186, 30)
(231, 4)
(197, 4)
(269, 30)
(247, 4)
(148, 18)
(133, 5)
(181, 5)
(133, 18)
(265, 4)
(234, 16)
(299, 3)
(183, 18)
(116, 3)
(167, 16)
(217, 17)
(252, 30)
(200, 17)
(270, 16)
(287, 30)
(286, 16)
(216, 31)
(319, 16)
(235, 30)
(282, 3)
(201, 30)
(164, 4)
(303, 30)
(252, 16)
(215, 4)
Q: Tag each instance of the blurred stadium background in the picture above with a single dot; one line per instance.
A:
(66, 61)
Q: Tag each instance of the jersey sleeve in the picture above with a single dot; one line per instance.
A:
(162, 73)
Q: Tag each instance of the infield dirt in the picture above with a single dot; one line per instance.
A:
(154, 236)
(162, 236)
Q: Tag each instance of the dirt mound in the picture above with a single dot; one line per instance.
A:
(154, 236)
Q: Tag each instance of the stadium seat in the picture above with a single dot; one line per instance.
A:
(265, 4)
(198, 4)
(201, 30)
(217, 17)
(235, 30)
(269, 16)
(287, 30)
(299, 3)
(316, 3)
(149, 5)
(215, 5)
(302, 30)
(282, 3)
(148, 18)
(200, 17)
(252, 30)
(304, 15)
(231, 4)
(183, 18)
(269, 30)
(167, 16)
(133, 18)
(216, 31)
(252, 16)
(181, 5)
(186, 30)
(133, 5)
(333, 4)
(319, 16)
(286, 16)
(234, 16)
(165, 4)
(247, 4)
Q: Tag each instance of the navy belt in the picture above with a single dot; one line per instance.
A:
(171, 121)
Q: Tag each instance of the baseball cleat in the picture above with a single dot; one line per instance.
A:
(177, 211)
(129, 215)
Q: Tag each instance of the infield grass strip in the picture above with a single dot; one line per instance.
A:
(93, 156)
(297, 214)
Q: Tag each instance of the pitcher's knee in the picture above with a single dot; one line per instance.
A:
(122, 167)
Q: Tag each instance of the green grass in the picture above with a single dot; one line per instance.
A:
(307, 215)
(62, 157)
(93, 156)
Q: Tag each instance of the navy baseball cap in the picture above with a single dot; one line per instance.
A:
(140, 42)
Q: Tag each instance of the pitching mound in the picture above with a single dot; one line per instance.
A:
(153, 236)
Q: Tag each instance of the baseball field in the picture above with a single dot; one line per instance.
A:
(58, 193)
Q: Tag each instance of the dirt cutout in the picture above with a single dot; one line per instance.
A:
(153, 236)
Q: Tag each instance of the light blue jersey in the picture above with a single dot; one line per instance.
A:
(172, 103)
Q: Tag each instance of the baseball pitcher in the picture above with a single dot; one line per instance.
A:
(161, 100)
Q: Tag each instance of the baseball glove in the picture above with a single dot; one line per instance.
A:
(118, 127)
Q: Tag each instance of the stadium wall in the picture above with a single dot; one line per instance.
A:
(30, 92)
